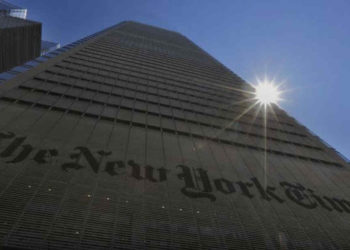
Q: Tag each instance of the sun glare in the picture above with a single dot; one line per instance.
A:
(267, 92)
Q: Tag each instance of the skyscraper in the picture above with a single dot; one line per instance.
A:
(19, 41)
(135, 138)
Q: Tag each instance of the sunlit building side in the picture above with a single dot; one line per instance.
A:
(9, 9)
(47, 47)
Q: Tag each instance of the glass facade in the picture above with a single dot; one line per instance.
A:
(47, 47)
(8, 9)
(134, 138)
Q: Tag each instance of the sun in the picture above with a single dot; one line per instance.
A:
(267, 92)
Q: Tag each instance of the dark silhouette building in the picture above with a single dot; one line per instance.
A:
(136, 138)
(19, 41)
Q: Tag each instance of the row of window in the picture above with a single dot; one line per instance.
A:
(149, 68)
(91, 62)
(111, 42)
(131, 111)
(152, 43)
(96, 110)
(131, 41)
(236, 107)
(179, 92)
(127, 88)
(152, 33)
(170, 64)
(150, 106)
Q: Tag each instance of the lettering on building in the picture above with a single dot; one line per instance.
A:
(196, 183)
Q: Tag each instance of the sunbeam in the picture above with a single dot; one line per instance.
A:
(264, 96)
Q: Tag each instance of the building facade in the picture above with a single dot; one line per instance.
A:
(9, 9)
(19, 41)
(136, 138)
(47, 47)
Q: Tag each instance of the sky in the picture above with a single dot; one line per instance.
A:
(302, 44)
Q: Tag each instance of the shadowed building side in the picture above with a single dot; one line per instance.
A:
(136, 138)
(19, 41)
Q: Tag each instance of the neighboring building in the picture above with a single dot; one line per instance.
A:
(134, 138)
(47, 47)
(8, 9)
(19, 41)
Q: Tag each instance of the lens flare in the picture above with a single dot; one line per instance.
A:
(258, 103)
(267, 92)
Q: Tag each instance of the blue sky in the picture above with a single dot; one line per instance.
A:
(302, 43)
